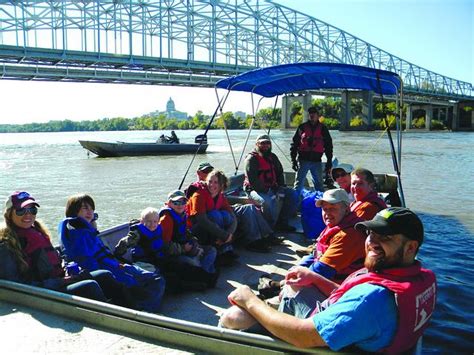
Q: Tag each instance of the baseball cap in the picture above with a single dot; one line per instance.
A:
(395, 220)
(176, 195)
(313, 109)
(263, 138)
(346, 167)
(204, 166)
(333, 196)
(20, 199)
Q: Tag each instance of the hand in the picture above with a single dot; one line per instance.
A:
(299, 276)
(240, 296)
(295, 166)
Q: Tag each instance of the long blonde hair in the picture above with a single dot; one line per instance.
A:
(10, 238)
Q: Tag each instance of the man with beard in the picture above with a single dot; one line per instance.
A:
(384, 307)
(265, 185)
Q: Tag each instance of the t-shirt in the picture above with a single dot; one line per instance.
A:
(365, 316)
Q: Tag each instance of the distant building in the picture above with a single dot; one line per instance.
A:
(240, 114)
(171, 111)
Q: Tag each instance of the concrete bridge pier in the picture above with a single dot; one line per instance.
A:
(287, 101)
(346, 105)
(428, 115)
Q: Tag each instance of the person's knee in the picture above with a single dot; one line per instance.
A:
(236, 318)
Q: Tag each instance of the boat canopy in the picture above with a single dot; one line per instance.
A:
(297, 77)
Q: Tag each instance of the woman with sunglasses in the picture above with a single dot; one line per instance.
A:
(78, 235)
(27, 255)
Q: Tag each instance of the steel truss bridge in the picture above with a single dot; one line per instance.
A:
(184, 42)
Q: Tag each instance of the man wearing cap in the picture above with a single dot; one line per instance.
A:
(367, 202)
(310, 142)
(265, 185)
(341, 175)
(384, 307)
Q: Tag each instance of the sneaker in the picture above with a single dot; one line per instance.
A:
(305, 251)
(259, 246)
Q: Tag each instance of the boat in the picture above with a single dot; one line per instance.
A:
(189, 320)
(121, 149)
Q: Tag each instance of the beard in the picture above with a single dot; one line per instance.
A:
(376, 264)
(265, 152)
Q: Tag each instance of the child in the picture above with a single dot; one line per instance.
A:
(181, 243)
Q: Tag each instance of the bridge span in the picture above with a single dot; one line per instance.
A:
(188, 43)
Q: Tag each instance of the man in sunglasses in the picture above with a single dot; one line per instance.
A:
(310, 142)
(384, 307)
(265, 184)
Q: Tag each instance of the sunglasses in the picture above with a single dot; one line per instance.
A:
(22, 211)
(338, 175)
(179, 202)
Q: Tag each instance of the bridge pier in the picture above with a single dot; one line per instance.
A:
(346, 104)
(345, 118)
(287, 101)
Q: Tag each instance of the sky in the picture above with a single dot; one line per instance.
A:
(437, 35)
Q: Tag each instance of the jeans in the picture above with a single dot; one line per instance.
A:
(302, 303)
(277, 207)
(316, 169)
(223, 219)
(251, 223)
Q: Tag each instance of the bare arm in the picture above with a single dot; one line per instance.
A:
(299, 332)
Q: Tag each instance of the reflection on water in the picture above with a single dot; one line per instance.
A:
(437, 171)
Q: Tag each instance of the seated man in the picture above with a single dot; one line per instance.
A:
(265, 185)
(384, 307)
(341, 175)
(367, 203)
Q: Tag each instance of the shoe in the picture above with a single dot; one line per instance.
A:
(285, 227)
(259, 246)
(224, 260)
(272, 239)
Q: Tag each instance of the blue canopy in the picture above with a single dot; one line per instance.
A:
(291, 78)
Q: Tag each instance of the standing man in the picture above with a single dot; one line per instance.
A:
(310, 141)
(265, 185)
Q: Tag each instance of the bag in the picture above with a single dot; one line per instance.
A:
(311, 217)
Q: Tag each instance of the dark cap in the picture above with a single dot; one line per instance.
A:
(176, 195)
(395, 220)
(20, 199)
(263, 138)
(204, 166)
(313, 109)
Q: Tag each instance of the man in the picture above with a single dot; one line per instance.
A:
(367, 203)
(310, 141)
(265, 185)
(385, 307)
(339, 250)
(341, 175)
(204, 168)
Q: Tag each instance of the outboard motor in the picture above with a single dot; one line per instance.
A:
(201, 139)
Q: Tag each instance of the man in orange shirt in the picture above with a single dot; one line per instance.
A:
(367, 203)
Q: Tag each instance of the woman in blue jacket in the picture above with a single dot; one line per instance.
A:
(79, 238)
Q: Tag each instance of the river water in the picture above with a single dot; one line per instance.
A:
(437, 175)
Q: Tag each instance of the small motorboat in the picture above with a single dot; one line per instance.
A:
(120, 149)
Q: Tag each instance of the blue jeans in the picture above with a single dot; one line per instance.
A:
(301, 304)
(316, 169)
(251, 223)
(277, 207)
(223, 219)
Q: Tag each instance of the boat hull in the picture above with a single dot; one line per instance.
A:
(122, 149)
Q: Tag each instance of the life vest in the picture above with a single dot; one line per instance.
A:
(43, 260)
(415, 295)
(179, 224)
(150, 242)
(212, 203)
(311, 138)
(372, 197)
(195, 186)
(266, 172)
(324, 241)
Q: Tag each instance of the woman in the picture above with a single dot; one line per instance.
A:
(79, 238)
(211, 218)
(27, 255)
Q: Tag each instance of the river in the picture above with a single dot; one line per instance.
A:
(437, 175)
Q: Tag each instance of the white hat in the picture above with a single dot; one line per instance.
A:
(348, 168)
(334, 196)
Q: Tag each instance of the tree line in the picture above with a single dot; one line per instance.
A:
(330, 108)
